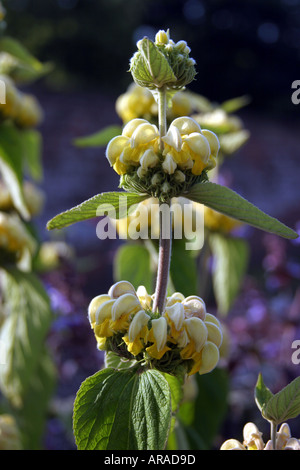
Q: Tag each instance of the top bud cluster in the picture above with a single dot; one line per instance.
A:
(162, 63)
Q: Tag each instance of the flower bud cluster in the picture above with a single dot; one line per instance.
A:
(22, 108)
(162, 63)
(185, 336)
(182, 64)
(252, 440)
(187, 150)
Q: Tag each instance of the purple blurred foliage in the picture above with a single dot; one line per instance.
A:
(262, 325)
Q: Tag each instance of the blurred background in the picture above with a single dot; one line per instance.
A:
(241, 48)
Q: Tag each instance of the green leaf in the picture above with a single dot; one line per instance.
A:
(32, 416)
(211, 404)
(114, 361)
(27, 67)
(150, 67)
(122, 410)
(133, 263)
(99, 139)
(23, 331)
(262, 394)
(183, 269)
(230, 260)
(31, 141)
(228, 202)
(285, 404)
(115, 204)
(11, 166)
(234, 104)
(176, 388)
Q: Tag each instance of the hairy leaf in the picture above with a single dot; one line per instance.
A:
(262, 394)
(150, 67)
(285, 404)
(122, 410)
(228, 202)
(114, 204)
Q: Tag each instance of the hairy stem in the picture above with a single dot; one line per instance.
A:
(273, 434)
(165, 222)
(162, 115)
(164, 259)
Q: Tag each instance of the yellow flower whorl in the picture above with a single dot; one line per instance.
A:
(185, 147)
(185, 335)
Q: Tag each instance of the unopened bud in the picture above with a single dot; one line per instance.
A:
(162, 37)
(169, 165)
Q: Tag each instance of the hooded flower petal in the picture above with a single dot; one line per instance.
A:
(232, 444)
(186, 125)
(120, 288)
(143, 134)
(158, 335)
(194, 307)
(197, 331)
(137, 333)
(215, 334)
(210, 358)
(94, 305)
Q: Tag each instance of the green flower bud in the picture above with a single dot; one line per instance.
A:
(162, 64)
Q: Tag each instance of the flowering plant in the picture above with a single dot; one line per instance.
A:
(153, 342)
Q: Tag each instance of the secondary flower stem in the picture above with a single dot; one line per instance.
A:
(165, 222)
(273, 434)
(162, 114)
(164, 259)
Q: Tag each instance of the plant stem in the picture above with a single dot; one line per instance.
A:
(162, 114)
(165, 221)
(164, 259)
(273, 434)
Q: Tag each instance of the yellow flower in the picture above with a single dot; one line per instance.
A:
(194, 307)
(174, 315)
(95, 303)
(181, 105)
(217, 222)
(16, 240)
(124, 319)
(23, 108)
(123, 307)
(186, 147)
(139, 102)
(158, 336)
(136, 102)
(121, 288)
(34, 198)
(200, 341)
(138, 333)
(252, 440)
(124, 151)
(190, 147)
(10, 108)
(219, 121)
